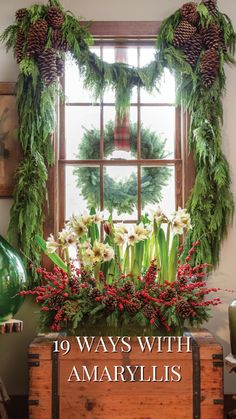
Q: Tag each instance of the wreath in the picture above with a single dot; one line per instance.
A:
(121, 195)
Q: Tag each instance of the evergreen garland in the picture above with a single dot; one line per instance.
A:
(122, 196)
(200, 86)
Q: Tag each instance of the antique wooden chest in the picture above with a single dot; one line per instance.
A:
(166, 382)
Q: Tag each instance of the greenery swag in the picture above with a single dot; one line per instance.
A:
(194, 43)
(119, 195)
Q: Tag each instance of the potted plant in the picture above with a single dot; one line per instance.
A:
(114, 278)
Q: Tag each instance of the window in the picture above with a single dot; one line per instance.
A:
(87, 152)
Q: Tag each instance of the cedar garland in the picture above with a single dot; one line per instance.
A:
(201, 82)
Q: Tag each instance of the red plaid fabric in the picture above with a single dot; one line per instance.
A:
(122, 128)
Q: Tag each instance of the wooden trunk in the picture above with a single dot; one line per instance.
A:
(199, 394)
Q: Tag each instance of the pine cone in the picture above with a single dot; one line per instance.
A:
(55, 17)
(21, 14)
(184, 309)
(189, 12)
(19, 48)
(94, 293)
(211, 6)
(56, 302)
(48, 66)
(183, 33)
(110, 303)
(129, 287)
(209, 67)
(211, 36)
(133, 307)
(192, 49)
(58, 42)
(149, 312)
(70, 308)
(37, 37)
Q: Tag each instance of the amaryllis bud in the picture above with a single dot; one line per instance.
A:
(107, 228)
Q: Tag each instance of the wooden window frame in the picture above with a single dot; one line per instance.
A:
(143, 33)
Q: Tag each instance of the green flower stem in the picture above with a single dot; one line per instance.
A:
(67, 255)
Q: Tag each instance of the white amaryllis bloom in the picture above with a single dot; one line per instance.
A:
(51, 244)
(87, 219)
(158, 215)
(181, 221)
(141, 232)
(108, 253)
(77, 226)
(67, 237)
(98, 250)
(98, 217)
(120, 229)
(88, 257)
(132, 239)
(119, 239)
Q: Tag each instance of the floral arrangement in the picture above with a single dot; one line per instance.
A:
(116, 276)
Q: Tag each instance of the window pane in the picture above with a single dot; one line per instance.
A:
(161, 123)
(74, 88)
(120, 192)
(82, 132)
(158, 188)
(82, 189)
(109, 144)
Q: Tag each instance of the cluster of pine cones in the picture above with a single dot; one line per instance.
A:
(50, 62)
(192, 39)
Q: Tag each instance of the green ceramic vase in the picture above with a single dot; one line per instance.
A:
(12, 279)
(232, 327)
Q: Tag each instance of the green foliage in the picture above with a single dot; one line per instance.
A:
(121, 195)
(52, 256)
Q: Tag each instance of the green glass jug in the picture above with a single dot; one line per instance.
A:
(12, 280)
(232, 327)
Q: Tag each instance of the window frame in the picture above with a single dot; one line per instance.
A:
(141, 33)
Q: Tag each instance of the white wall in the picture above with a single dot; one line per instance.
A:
(12, 349)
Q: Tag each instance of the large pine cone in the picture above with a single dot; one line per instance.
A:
(21, 14)
(55, 17)
(133, 307)
(149, 312)
(48, 66)
(211, 6)
(58, 42)
(110, 303)
(37, 37)
(211, 36)
(129, 287)
(209, 67)
(60, 66)
(19, 48)
(189, 12)
(183, 33)
(192, 49)
(184, 309)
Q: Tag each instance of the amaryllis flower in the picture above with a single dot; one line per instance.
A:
(181, 221)
(119, 239)
(132, 239)
(158, 215)
(98, 217)
(51, 244)
(67, 237)
(141, 232)
(108, 253)
(77, 225)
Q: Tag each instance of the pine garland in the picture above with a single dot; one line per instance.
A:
(211, 201)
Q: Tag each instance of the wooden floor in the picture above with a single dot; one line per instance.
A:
(17, 408)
